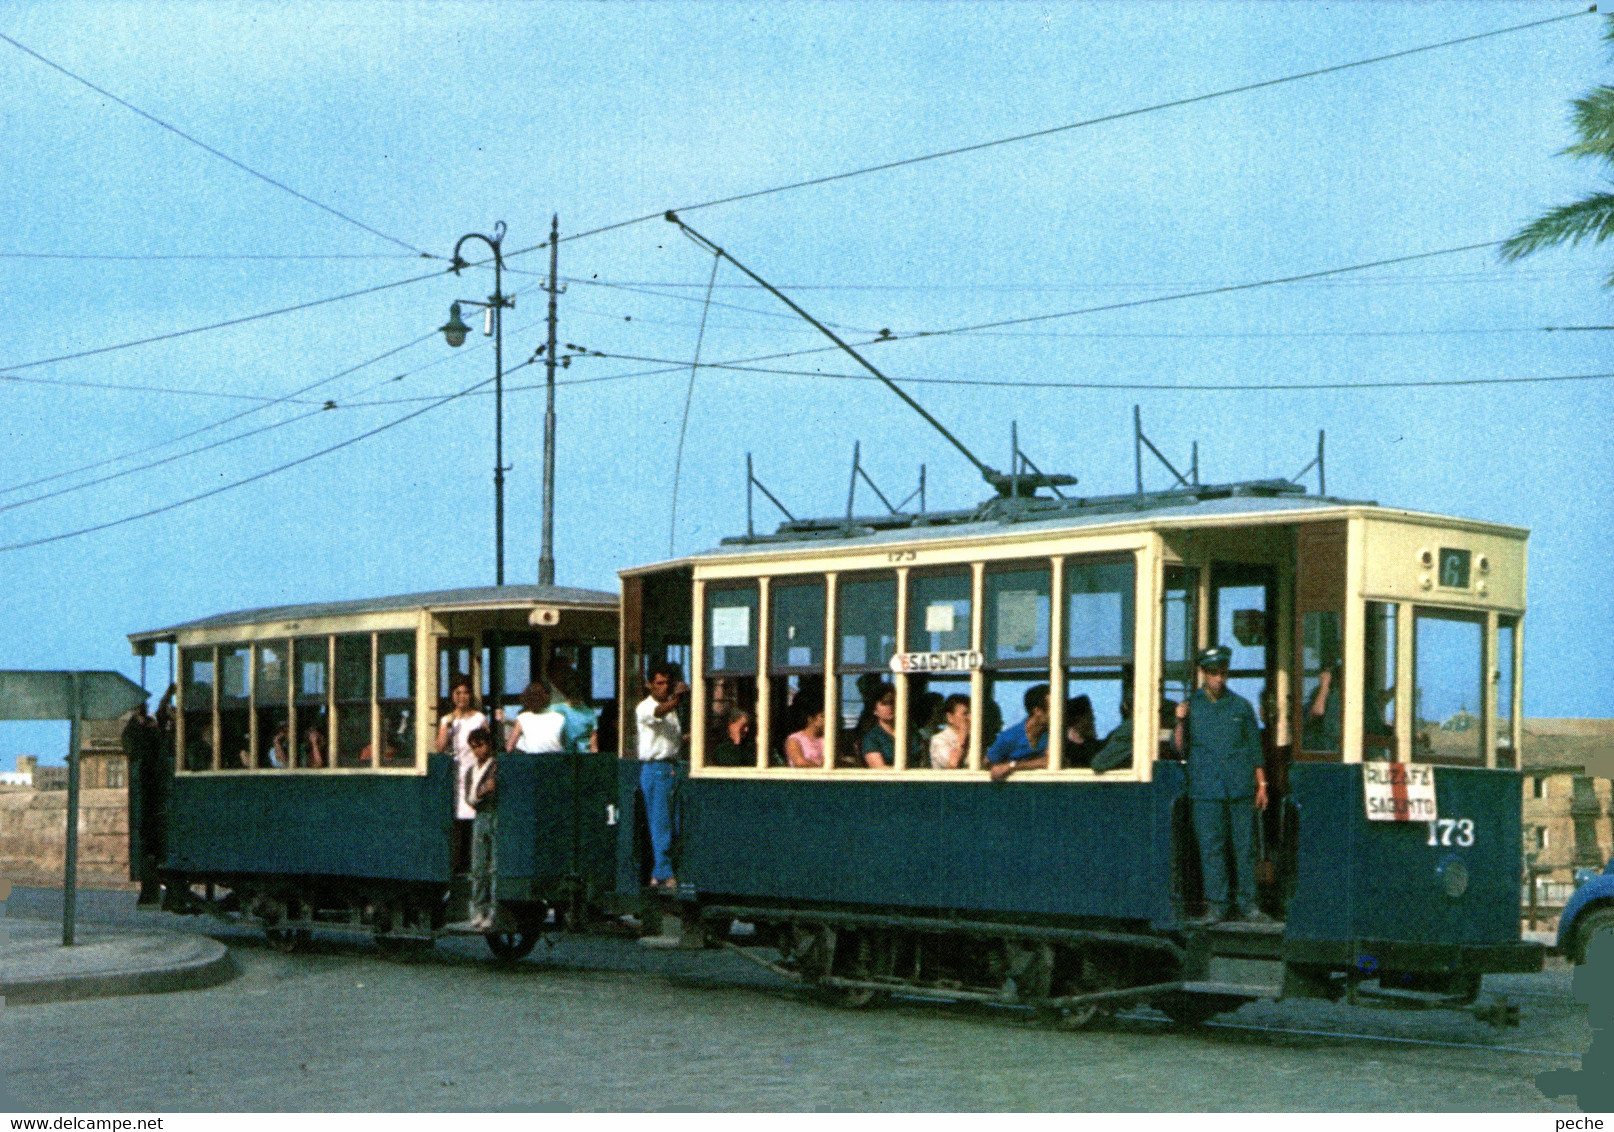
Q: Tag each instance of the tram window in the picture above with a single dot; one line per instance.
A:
(453, 661)
(235, 707)
(731, 696)
(1104, 689)
(196, 692)
(395, 689)
(602, 674)
(1099, 617)
(312, 661)
(1448, 687)
(1322, 679)
(731, 630)
(939, 611)
(1179, 632)
(353, 699)
(1506, 631)
(927, 713)
(1018, 610)
(792, 702)
(866, 613)
(1378, 687)
(271, 701)
(796, 637)
(1005, 702)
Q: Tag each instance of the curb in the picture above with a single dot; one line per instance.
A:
(215, 965)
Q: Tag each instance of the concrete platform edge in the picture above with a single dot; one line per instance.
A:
(198, 974)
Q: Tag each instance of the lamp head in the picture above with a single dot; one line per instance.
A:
(454, 330)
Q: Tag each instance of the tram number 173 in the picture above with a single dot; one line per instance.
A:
(1451, 831)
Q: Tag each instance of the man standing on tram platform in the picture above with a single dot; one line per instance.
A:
(1218, 732)
(661, 743)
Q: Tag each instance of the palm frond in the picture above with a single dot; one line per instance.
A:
(1594, 122)
(1591, 217)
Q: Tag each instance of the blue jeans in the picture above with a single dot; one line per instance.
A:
(658, 781)
(1220, 824)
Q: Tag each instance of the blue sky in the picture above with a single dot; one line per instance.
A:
(429, 121)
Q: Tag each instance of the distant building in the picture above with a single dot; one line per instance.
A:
(1567, 822)
(102, 765)
(50, 778)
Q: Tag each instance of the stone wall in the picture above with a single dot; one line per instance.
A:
(33, 836)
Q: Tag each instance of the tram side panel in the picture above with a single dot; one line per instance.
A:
(1381, 896)
(555, 824)
(1043, 849)
(371, 826)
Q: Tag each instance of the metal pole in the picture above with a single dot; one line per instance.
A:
(749, 480)
(1322, 475)
(70, 858)
(546, 552)
(498, 409)
(1137, 445)
(851, 488)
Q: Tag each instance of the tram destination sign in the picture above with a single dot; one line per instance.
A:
(1399, 792)
(961, 660)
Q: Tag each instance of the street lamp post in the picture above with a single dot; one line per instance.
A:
(454, 332)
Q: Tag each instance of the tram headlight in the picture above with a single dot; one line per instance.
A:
(1453, 876)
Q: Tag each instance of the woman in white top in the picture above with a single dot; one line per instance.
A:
(539, 728)
(453, 738)
(950, 745)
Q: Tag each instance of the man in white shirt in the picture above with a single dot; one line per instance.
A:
(661, 742)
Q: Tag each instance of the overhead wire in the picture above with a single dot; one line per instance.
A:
(210, 426)
(1052, 130)
(291, 398)
(127, 105)
(203, 256)
(8, 369)
(689, 399)
(257, 476)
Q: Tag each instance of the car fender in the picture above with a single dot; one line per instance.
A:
(1597, 891)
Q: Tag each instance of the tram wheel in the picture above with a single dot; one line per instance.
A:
(871, 955)
(1093, 977)
(1195, 1009)
(507, 947)
(288, 940)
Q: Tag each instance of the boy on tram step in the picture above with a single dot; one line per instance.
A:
(661, 744)
(479, 786)
(1218, 732)
(1025, 745)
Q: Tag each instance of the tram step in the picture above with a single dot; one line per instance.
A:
(1236, 990)
(1245, 927)
(1259, 975)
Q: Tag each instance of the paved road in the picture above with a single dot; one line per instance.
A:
(605, 1024)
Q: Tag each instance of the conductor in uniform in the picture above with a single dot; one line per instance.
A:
(1218, 733)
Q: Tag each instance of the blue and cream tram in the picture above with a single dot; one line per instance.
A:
(1382, 647)
(307, 791)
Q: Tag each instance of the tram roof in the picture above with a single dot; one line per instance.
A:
(1211, 503)
(472, 597)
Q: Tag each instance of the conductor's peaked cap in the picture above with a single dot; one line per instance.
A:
(1216, 657)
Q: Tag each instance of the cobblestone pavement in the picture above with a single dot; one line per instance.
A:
(605, 1024)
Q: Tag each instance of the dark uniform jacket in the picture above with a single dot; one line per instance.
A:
(1224, 746)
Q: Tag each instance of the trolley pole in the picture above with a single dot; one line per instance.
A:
(546, 551)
